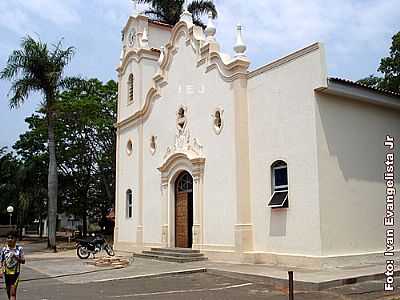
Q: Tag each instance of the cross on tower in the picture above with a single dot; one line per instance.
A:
(134, 7)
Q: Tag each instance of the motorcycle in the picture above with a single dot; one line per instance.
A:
(85, 247)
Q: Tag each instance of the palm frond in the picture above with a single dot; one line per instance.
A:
(155, 14)
(35, 67)
(199, 8)
(20, 90)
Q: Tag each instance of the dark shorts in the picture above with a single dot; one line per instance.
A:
(11, 279)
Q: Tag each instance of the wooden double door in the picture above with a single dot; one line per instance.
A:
(183, 210)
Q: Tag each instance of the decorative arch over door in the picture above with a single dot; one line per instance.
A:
(184, 210)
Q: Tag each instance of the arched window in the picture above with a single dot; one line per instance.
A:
(130, 88)
(129, 204)
(279, 185)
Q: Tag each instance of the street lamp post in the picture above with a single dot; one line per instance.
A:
(10, 210)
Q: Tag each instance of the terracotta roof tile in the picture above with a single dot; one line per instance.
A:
(358, 84)
(160, 23)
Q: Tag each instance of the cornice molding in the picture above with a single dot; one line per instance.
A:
(137, 55)
(285, 59)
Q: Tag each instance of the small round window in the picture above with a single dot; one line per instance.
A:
(218, 122)
(129, 147)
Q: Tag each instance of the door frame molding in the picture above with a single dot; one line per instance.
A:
(170, 170)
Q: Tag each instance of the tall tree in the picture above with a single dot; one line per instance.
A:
(85, 141)
(89, 109)
(389, 67)
(36, 68)
(169, 11)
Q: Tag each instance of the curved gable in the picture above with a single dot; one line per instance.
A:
(205, 53)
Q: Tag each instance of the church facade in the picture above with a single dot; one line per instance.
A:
(279, 165)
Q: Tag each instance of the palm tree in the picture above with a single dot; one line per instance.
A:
(36, 68)
(169, 11)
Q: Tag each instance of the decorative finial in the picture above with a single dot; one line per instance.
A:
(210, 29)
(121, 57)
(145, 39)
(135, 11)
(240, 47)
(186, 15)
(161, 58)
(185, 5)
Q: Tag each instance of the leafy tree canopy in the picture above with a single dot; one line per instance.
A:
(390, 68)
(85, 140)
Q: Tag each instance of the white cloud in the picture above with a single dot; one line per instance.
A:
(14, 19)
(21, 15)
(274, 28)
(57, 11)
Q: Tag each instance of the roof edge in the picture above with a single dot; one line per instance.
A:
(283, 60)
(363, 86)
(340, 87)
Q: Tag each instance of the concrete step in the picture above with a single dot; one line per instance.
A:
(176, 250)
(176, 254)
(170, 258)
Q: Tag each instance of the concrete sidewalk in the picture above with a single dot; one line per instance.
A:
(66, 266)
(305, 279)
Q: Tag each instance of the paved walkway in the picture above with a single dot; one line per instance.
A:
(65, 264)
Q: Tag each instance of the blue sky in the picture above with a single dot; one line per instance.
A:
(356, 35)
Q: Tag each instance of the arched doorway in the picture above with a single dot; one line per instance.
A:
(183, 210)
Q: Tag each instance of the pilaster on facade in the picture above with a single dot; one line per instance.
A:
(243, 226)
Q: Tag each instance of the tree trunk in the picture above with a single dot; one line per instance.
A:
(52, 184)
(84, 223)
(83, 197)
(40, 224)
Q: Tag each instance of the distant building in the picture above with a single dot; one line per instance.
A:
(280, 164)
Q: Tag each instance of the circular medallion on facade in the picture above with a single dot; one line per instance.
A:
(181, 119)
(218, 122)
(129, 147)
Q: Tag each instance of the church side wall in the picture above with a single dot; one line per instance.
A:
(127, 178)
(282, 127)
(351, 155)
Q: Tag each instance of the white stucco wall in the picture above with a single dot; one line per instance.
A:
(158, 35)
(127, 108)
(282, 126)
(201, 93)
(127, 178)
(351, 155)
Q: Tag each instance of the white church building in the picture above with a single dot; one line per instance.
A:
(279, 165)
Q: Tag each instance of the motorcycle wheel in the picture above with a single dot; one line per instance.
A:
(109, 250)
(82, 252)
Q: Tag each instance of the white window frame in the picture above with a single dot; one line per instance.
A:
(279, 188)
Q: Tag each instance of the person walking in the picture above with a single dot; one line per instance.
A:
(11, 258)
